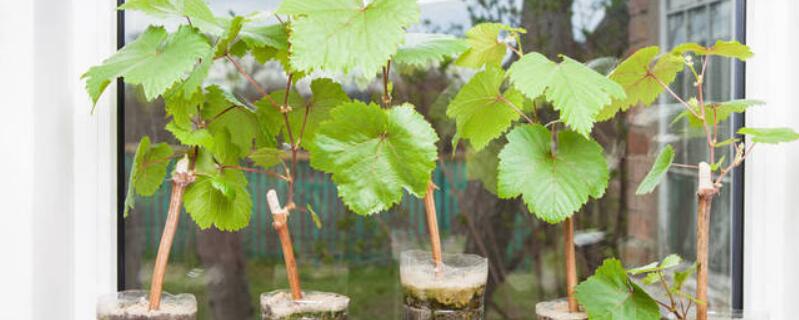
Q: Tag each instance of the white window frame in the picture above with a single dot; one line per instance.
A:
(771, 255)
(61, 165)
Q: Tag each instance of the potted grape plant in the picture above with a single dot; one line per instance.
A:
(645, 75)
(556, 166)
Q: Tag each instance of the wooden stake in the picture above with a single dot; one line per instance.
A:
(180, 180)
(705, 195)
(432, 224)
(280, 216)
(571, 265)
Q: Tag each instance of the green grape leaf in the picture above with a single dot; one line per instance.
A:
(480, 108)
(729, 49)
(670, 261)
(209, 206)
(652, 278)
(659, 169)
(223, 147)
(155, 60)
(552, 186)
(183, 108)
(610, 295)
(342, 36)
(770, 135)
(195, 10)
(233, 27)
(482, 165)
(640, 79)
(325, 95)
(191, 137)
(373, 154)
(485, 47)
(424, 49)
(681, 276)
(266, 157)
(148, 170)
(576, 91)
(723, 112)
(257, 36)
(150, 165)
(222, 112)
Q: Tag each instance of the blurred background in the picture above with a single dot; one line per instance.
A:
(357, 256)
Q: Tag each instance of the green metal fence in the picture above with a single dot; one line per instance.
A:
(344, 235)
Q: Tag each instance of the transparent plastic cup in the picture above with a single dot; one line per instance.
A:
(455, 292)
(134, 305)
(314, 305)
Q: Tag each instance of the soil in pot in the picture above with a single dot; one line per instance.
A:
(134, 305)
(557, 310)
(314, 305)
(455, 291)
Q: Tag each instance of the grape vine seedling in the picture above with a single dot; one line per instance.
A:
(645, 75)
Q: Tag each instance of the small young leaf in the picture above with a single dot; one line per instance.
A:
(316, 221)
(423, 49)
(770, 135)
(373, 154)
(729, 49)
(726, 142)
(652, 278)
(659, 169)
(640, 80)
(681, 276)
(610, 295)
(148, 170)
(233, 27)
(208, 206)
(670, 261)
(485, 48)
(651, 267)
(723, 111)
(577, 91)
(479, 109)
(155, 60)
(553, 186)
(342, 36)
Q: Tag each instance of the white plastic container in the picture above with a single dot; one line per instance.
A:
(134, 305)
(314, 305)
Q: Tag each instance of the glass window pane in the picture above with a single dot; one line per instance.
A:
(358, 256)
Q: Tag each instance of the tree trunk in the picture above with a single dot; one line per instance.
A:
(222, 256)
(549, 27)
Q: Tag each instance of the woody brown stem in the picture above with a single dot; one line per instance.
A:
(432, 224)
(571, 266)
(705, 199)
(180, 180)
(280, 216)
